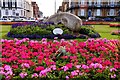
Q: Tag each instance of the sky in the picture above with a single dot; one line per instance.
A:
(48, 6)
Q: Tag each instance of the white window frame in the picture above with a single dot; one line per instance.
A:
(90, 2)
(82, 12)
(13, 3)
(98, 3)
(112, 3)
(6, 12)
(13, 12)
(6, 3)
(21, 12)
(112, 12)
(83, 2)
(98, 12)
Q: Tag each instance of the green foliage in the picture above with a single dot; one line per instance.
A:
(87, 30)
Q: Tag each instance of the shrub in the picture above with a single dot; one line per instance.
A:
(45, 30)
(88, 30)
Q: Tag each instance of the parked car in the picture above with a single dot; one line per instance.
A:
(91, 18)
(23, 18)
(5, 20)
(108, 19)
(31, 19)
(17, 19)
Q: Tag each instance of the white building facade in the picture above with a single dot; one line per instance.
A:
(15, 8)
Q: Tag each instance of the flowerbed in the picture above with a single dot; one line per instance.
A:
(34, 30)
(95, 23)
(116, 32)
(9, 23)
(93, 59)
(114, 25)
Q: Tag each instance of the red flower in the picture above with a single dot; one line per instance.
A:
(39, 68)
(69, 65)
(99, 71)
(64, 57)
(87, 70)
(14, 66)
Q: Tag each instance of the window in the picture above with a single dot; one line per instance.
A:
(0, 13)
(13, 12)
(112, 12)
(6, 12)
(98, 3)
(112, 3)
(79, 3)
(90, 2)
(82, 2)
(13, 3)
(6, 3)
(98, 12)
(0, 4)
(82, 12)
(21, 12)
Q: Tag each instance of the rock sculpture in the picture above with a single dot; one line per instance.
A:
(69, 20)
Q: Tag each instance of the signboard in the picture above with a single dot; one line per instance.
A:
(58, 31)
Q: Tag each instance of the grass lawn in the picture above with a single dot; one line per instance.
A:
(103, 30)
(4, 29)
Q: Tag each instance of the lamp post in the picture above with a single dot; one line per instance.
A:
(69, 4)
(55, 6)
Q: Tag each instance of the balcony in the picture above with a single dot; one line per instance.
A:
(104, 6)
(73, 7)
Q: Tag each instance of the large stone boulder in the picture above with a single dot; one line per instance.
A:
(69, 20)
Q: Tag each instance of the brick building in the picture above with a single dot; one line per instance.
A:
(91, 8)
(36, 12)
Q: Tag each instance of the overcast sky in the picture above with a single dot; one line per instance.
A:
(48, 6)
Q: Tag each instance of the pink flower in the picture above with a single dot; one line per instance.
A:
(2, 73)
(7, 68)
(7, 78)
(78, 66)
(113, 69)
(1, 68)
(25, 65)
(113, 76)
(74, 73)
(65, 68)
(44, 72)
(85, 67)
(34, 75)
(67, 77)
(22, 75)
(53, 67)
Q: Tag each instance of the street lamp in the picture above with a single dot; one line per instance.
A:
(55, 6)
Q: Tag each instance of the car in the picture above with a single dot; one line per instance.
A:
(108, 19)
(17, 19)
(5, 20)
(91, 18)
(23, 18)
(31, 19)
